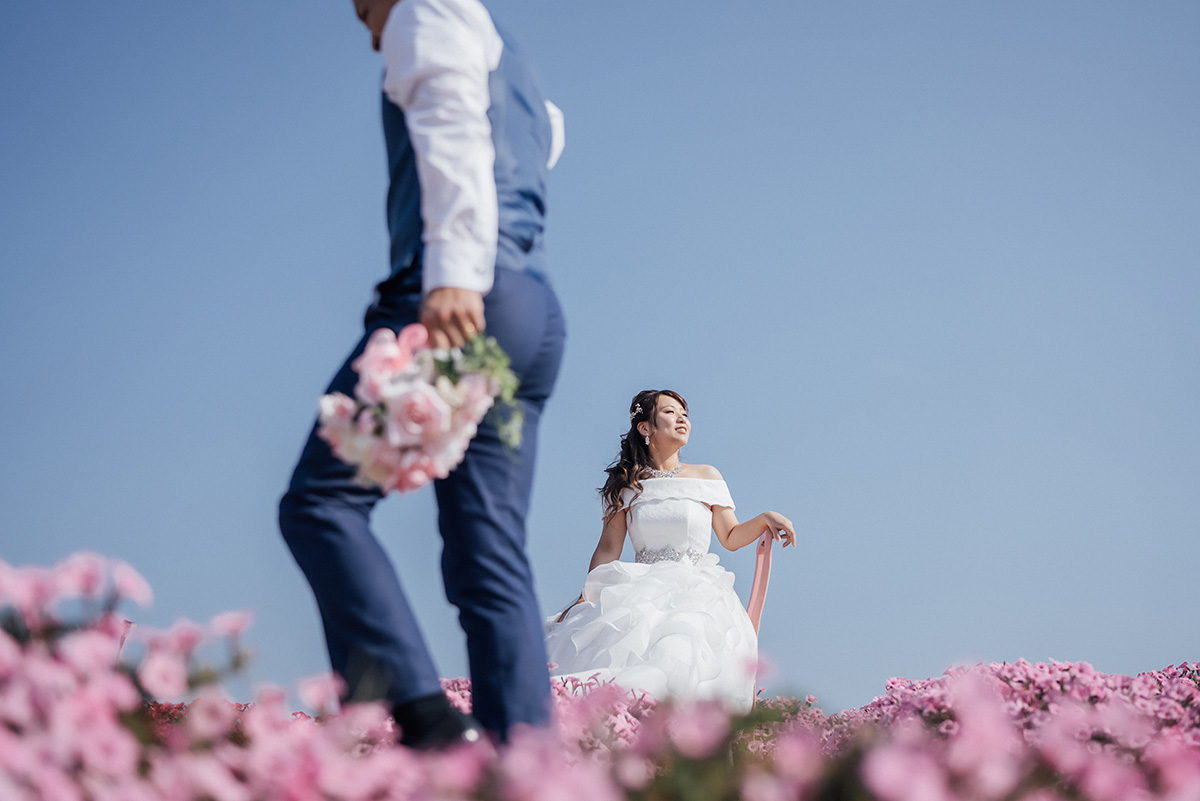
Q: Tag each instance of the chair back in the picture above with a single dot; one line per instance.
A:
(762, 576)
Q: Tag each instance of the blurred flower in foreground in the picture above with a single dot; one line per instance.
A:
(76, 723)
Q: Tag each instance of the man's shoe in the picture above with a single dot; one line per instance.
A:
(432, 723)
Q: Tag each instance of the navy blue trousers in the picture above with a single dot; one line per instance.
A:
(374, 641)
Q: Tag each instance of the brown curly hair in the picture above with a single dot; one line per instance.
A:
(632, 464)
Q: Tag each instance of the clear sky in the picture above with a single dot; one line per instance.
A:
(927, 272)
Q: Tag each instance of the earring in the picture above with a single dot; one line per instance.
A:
(646, 439)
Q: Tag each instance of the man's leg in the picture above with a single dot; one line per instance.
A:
(373, 639)
(482, 507)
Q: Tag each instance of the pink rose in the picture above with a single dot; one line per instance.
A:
(412, 338)
(384, 357)
(381, 359)
(351, 440)
(382, 354)
(446, 452)
(336, 413)
(379, 465)
(415, 470)
(476, 396)
(418, 413)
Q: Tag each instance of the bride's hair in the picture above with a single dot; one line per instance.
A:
(632, 464)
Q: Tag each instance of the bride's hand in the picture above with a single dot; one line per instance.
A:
(780, 527)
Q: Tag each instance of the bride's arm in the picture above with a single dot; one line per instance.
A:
(734, 535)
(612, 540)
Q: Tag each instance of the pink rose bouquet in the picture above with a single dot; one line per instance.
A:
(415, 409)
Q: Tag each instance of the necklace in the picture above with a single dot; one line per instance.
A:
(665, 473)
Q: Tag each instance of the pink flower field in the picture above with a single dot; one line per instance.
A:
(82, 716)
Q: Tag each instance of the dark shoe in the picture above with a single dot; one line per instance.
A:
(432, 723)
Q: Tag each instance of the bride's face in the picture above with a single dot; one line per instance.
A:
(671, 426)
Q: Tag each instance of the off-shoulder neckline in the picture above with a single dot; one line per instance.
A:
(683, 478)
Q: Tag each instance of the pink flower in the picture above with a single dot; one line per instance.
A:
(381, 359)
(321, 692)
(336, 413)
(535, 768)
(698, 729)
(899, 773)
(209, 778)
(210, 716)
(17, 707)
(1107, 779)
(447, 451)
(1177, 765)
(390, 469)
(108, 748)
(458, 771)
(458, 692)
(476, 397)
(163, 674)
(32, 590)
(416, 413)
(10, 655)
(231, 624)
(759, 786)
(797, 757)
(987, 748)
(121, 630)
(265, 717)
(50, 781)
(117, 690)
(128, 583)
(417, 468)
(412, 338)
(182, 638)
(633, 772)
(81, 575)
(88, 652)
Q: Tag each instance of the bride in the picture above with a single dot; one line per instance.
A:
(669, 623)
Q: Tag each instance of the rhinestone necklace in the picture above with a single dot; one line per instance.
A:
(665, 473)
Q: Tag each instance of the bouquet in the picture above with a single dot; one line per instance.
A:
(415, 409)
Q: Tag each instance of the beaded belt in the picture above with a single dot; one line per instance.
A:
(647, 556)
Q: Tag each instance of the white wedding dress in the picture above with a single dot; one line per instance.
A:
(670, 623)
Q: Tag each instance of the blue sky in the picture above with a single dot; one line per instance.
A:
(928, 274)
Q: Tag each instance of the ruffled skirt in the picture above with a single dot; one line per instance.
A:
(673, 630)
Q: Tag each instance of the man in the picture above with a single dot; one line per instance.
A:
(469, 142)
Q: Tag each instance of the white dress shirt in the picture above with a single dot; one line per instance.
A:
(437, 55)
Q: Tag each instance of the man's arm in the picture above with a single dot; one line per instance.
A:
(437, 58)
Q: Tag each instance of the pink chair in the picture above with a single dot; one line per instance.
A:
(762, 575)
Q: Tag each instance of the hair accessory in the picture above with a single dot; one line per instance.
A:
(636, 411)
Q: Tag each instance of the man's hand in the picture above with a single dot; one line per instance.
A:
(374, 14)
(452, 315)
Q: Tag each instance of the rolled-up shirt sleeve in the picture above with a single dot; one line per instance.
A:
(437, 55)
